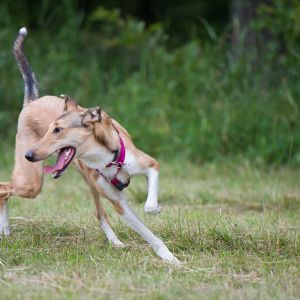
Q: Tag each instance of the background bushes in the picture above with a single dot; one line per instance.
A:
(207, 87)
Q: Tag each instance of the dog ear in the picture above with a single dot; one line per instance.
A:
(105, 133)
(70, 104)
(92, 115)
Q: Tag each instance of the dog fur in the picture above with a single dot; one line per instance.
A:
(93, 134)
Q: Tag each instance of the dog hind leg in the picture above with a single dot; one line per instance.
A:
(26, 181)
(4, 221)
(20, 186)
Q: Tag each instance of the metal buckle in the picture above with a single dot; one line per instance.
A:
(117, 163)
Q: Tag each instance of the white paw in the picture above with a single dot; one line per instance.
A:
(4, 230)
(118, 244)
(152, 210)
(167, 256)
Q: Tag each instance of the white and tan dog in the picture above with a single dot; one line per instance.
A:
(100, 148)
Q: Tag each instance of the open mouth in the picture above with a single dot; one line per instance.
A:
(64, 158)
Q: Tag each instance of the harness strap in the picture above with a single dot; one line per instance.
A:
(121, 158)
(119, 162)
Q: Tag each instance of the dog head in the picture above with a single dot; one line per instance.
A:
(73, 134)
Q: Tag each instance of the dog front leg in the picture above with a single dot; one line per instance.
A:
(121, 206)
(105, 225)
(103, 220)
(156, 243)
(89, 176)
(151, 205)
(111, 236)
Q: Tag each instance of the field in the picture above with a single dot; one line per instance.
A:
(214, 97)
(234, 227)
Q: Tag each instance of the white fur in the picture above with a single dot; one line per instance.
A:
(111, 236)
(135, 223)
(23, 31)
(4, 222)
(151, 205)
(97, 158)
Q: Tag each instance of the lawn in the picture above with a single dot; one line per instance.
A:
(236, 228)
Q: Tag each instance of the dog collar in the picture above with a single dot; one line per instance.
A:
(119, 162)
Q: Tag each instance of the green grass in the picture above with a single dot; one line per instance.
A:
(235, 227)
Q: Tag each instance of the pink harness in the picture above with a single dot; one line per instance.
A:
(119, 162)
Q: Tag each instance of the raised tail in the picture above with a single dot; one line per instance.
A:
(31, 92)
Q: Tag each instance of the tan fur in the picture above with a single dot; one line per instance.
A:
(104, 133)
(93, 140)
(118, 208)
(27, 177)
(84, 129)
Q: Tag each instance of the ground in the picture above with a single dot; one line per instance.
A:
(235, 227)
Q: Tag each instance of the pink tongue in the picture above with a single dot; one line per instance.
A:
(59, 165)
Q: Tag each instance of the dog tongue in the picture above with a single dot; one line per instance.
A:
(59, 165)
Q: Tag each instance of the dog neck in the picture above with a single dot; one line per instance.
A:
(97, 156)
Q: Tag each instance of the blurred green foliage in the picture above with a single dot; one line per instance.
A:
(195, 101)
(282, 21)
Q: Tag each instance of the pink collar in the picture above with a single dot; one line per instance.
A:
(119, 162)
(121, 157)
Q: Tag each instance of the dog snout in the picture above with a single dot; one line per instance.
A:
(29, 155)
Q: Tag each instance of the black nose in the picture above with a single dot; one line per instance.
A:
(29, 155)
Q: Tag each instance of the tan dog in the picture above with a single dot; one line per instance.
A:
(100, 148)
(98, 141)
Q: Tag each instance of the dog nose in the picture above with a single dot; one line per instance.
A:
(29, 155)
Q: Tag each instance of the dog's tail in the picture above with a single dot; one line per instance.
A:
(31, 92)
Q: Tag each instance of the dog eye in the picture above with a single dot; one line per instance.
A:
(57, 129)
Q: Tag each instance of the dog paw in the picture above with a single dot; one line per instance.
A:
(118, 244)
(4, 230)
(175, 261)
(152, 210)
(165, 254)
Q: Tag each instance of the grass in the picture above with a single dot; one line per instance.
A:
(235, 227)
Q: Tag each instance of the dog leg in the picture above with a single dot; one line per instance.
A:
(151, 205)
(27, 179)
(26, 182)
(21, 186)
(104, 222)
(111, 236)
(4, 221)
(90, 176)
(119, 201)
(136, 224)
